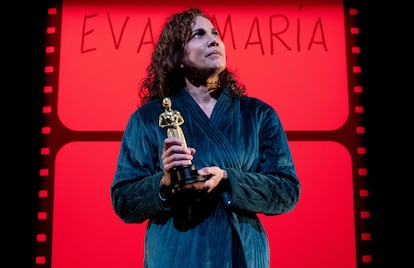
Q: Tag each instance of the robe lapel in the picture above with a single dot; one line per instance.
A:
(213, 127)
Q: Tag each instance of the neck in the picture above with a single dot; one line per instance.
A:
(203, 97)
(200, 94)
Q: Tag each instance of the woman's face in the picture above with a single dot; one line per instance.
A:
(205, 50)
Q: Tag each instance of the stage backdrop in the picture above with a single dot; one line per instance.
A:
(301, 57)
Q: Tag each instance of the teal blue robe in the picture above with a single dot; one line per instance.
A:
(245, 137)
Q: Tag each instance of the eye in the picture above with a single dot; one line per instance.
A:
(198, 33)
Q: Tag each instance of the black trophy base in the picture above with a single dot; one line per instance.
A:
(186, 175)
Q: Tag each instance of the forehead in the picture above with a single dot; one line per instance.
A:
(202, 22)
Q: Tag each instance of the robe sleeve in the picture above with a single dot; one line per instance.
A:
(273, 186)
(135, 188)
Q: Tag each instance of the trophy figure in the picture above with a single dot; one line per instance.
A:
(172, 120)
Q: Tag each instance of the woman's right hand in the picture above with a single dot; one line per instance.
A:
(173, 155)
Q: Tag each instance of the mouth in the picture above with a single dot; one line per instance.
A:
(214, 53)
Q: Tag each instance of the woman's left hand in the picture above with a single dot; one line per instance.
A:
(215, 175)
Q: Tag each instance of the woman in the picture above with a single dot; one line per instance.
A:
(237, 142)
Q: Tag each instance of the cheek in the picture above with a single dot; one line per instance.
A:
(223, 46)
(186, 56)
(192, 54)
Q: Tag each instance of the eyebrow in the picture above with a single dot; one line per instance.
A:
(202, 29)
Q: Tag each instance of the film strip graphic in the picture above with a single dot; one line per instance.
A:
(360, 171)
(42, 256)
(55, 135)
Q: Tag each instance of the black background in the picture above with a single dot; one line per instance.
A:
(385, 63)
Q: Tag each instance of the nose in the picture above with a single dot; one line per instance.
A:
(213, 43)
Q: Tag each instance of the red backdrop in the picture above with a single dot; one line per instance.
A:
(299, 56)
